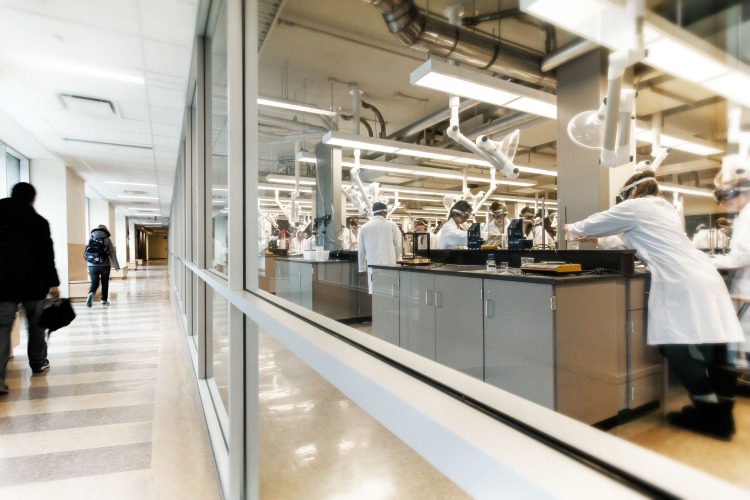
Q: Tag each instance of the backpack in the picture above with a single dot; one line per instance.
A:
(95, 252)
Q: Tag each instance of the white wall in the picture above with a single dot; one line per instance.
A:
(99, 213)
(131, 240)
(120, 237)
(49, 179)
(75, 199)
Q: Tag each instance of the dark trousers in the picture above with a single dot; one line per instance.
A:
(37, 345)
(703, 372)
(97, 274)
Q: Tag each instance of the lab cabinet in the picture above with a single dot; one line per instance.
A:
(519, 344)
(417, 323)
(385, 305)
(459, 333)
(645, 363)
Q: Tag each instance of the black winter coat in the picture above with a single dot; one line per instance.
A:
(27, 259)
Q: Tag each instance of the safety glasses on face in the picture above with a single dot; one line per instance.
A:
(461, 213)
(499, 214)
(728, 194)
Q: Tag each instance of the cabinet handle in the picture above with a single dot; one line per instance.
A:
(393, 291)
(489, 308)
(428, 297)
(438, 299)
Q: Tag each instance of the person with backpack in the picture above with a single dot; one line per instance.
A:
(100, 255)
(27, 274)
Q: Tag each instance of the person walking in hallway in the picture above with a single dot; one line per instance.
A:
(100, 255)
(27, 274)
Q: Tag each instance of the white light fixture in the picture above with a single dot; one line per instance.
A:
(672, 188)
(70, 66)
(430, 172)
(294, 106)
(349, 140)
(130, 184)
(473, 84)
(668, 47)
(138, 197)
(521, 199)
(694, 145)
(280, 187)
(144, 209)
(289, 179)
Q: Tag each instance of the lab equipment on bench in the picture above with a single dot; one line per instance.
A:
(516, 239)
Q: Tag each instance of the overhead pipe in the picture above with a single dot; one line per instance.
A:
(438, 37)
(379, 115)
(362, 121)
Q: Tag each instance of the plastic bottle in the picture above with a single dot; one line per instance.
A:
(491, 264)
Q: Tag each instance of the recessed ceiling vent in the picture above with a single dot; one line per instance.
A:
(89, 105)
(127, 191)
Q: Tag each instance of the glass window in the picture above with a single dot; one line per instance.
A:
(12, 171)
(217, 168)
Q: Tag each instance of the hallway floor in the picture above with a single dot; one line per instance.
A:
(117, 415)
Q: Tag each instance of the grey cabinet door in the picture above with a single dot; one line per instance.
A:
(459, 332)
(385, 304)
(283, 289)
(418, 313)
(519, 339)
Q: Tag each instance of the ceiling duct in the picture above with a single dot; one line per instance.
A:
(438, 37)
(89, 105)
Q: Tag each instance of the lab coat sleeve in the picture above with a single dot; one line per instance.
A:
(361, 259)
(610, 243)
(738, 256)
(618, 219)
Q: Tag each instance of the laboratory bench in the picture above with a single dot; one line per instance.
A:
(572, 343)
(332, 287)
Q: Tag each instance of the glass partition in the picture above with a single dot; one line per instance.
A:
(217, 164)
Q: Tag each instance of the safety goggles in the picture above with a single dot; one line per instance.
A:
(499, 215)
(461, 213)
(624, 193)
(728, 194)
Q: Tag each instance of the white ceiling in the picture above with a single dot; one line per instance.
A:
(86, 48)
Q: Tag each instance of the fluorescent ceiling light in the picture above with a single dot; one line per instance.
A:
(144, 209)
(473, 84)
(289, 179)
(668, 47)
(220, 189)
(430, 172)
(73, 67)
(138, 197)
(294, 106)
(694, 145)
(130, 183)
(345, 139)
(672, 188)
(277, 187)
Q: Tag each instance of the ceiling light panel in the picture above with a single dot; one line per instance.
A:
(474, 84)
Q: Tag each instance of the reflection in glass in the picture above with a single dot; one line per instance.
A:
(316, 443)
(218, 169)
(219, 336)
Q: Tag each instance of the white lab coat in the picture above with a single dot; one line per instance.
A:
(353, 240)
(688, 301)
(434, 241)
(536, 235)
(377, 244)
(492, 228)
(707, 239)
(738, 261)
(452, 236)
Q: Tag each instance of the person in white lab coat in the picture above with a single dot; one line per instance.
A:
(498, 223)
(709, 239)
(688, 305)
(353, 234)
(543, 232)
(421, 226)
(378, 243)
(297, 243)
(451, 234)
(736, 197)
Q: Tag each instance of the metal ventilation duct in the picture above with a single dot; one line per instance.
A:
(441, 38)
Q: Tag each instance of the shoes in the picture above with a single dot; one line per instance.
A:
(710, 419)
(90, 300)
(105, 302)
(3, 388)
(44, 367)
